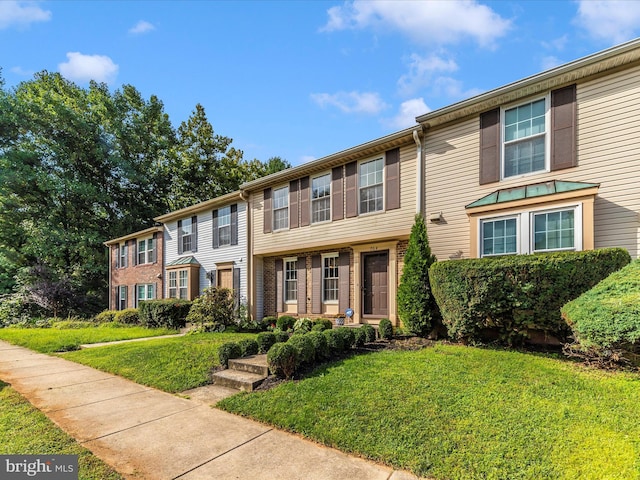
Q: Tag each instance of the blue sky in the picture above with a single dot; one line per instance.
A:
(305, 79)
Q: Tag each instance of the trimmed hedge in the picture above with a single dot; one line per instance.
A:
(128, 316)
(105, 316)
(385, 329)
(282, 359)
(348, 335)
(285, 322)
(370, 333)
(169, 313)
(305, 347)
(281, 336)
(511, 295)
(320, 345)
(608, 315)
(227, 351)
(248, 346)
(320, 324)
(265, 341)
(335, 341)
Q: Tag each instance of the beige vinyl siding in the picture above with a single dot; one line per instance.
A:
(392, 224)
(608, 152)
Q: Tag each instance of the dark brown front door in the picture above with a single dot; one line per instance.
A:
(375, 296)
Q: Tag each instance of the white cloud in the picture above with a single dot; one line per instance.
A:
(550, 62)
(14, 12)
(557, 43)
(615, 21)
(436, 21)
(306, 159)
(351, 102)
(453, 89)
(88, 67)
(142, 27)
(422, 70)
(408, 112)
(21, 71)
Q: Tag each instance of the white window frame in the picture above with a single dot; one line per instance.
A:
(172, 284)
(281, 208)
(123, 255)
(547, 143)
(335, 256)
(183, 284)
(224, 213)
(381, 184)
(287, 279)
(494, 219)
(323, 198)
(148, 291)
(147, 253)
(184, 236)
(525, 227)
(122, 289)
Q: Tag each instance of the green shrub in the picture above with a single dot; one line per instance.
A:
(303, 325)
(320, 324)
(416, 306)
(215, 305)
(285, 323)
(228, 351)
(128, 316)
(270, 321)
(385, 329)
(169, 313)
(348, 335)
(360, 338)
(17, 309)
(105, 316)
(514, 294)
(304, 346)
(265, 341)
(281, 336)
(282, 359)
(248, 346)
(370, 333)
(608, 315)
(320, 345)
(335, 341)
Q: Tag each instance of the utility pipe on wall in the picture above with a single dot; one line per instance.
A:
(420, 169)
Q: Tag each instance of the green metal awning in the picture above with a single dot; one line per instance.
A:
(190, 260)
(530, 191)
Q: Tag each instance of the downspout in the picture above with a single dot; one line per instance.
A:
(110, 278)
(249, 237)
(420, 168)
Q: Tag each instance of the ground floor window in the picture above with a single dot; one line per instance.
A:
(145, 292)
(183, 286)
(291, 279)
(330, 277)
(499, 237)
(173, 284)
(122, 297)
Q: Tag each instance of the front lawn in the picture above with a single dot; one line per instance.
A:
(26, 431)
(49, 340)
(170, 364)
(453, 412)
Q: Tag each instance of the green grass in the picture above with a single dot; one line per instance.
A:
(49, 340)
(454, 412)
(24, 430)
(169, 364)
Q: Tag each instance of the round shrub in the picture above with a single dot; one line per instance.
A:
(302, 325)
(105, 317)
(128, 316)
(282, 359)
(265, 341)
(321, 324)
(348, 336)
(360, 338)
(281, 336)
(385, 330)
(305, 348)
(270, 322)
(227, 351)
(214, 305)
(334, 341)
(320, 345)
(370, 333)
(285, 322)
(248, 346)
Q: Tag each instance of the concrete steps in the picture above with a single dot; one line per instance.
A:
(243, 373)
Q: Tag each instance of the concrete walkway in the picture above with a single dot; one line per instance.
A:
(148, 434)
(141, 339)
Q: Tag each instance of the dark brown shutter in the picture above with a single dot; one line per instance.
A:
(236, 287)
(563, 128)
(343, 282)
(194, 234)
(490, 147)
(213, 277)
(337, 197)
(304, 202)
(234, 224)
(392, 172)
(154, 248)
(216, 233)
(179, 237)
(134, 249)
(316, 284)
(301, 266)
(279, 285)
(266, 227)
(351, 191)
(293, 204)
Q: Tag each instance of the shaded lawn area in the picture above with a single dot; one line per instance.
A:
(169, 364)
(24, 430)
(453, 412)
(49, 340)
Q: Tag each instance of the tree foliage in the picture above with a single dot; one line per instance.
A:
(416, 305)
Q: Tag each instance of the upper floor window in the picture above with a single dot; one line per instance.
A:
(524, 134)
(122, 255)
(330, 277)
(146, 251)
(321, 199)
(371, 186)
(187, 239)
(290, 279)
(224, 226)
(281, 208)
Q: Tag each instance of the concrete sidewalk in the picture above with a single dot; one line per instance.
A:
(148, 434)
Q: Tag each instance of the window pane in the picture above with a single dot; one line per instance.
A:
(554, 230)
(523, 154)
(291, 280)
(499, 237)
(330, 278)
(281, 218)
(224, 235)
